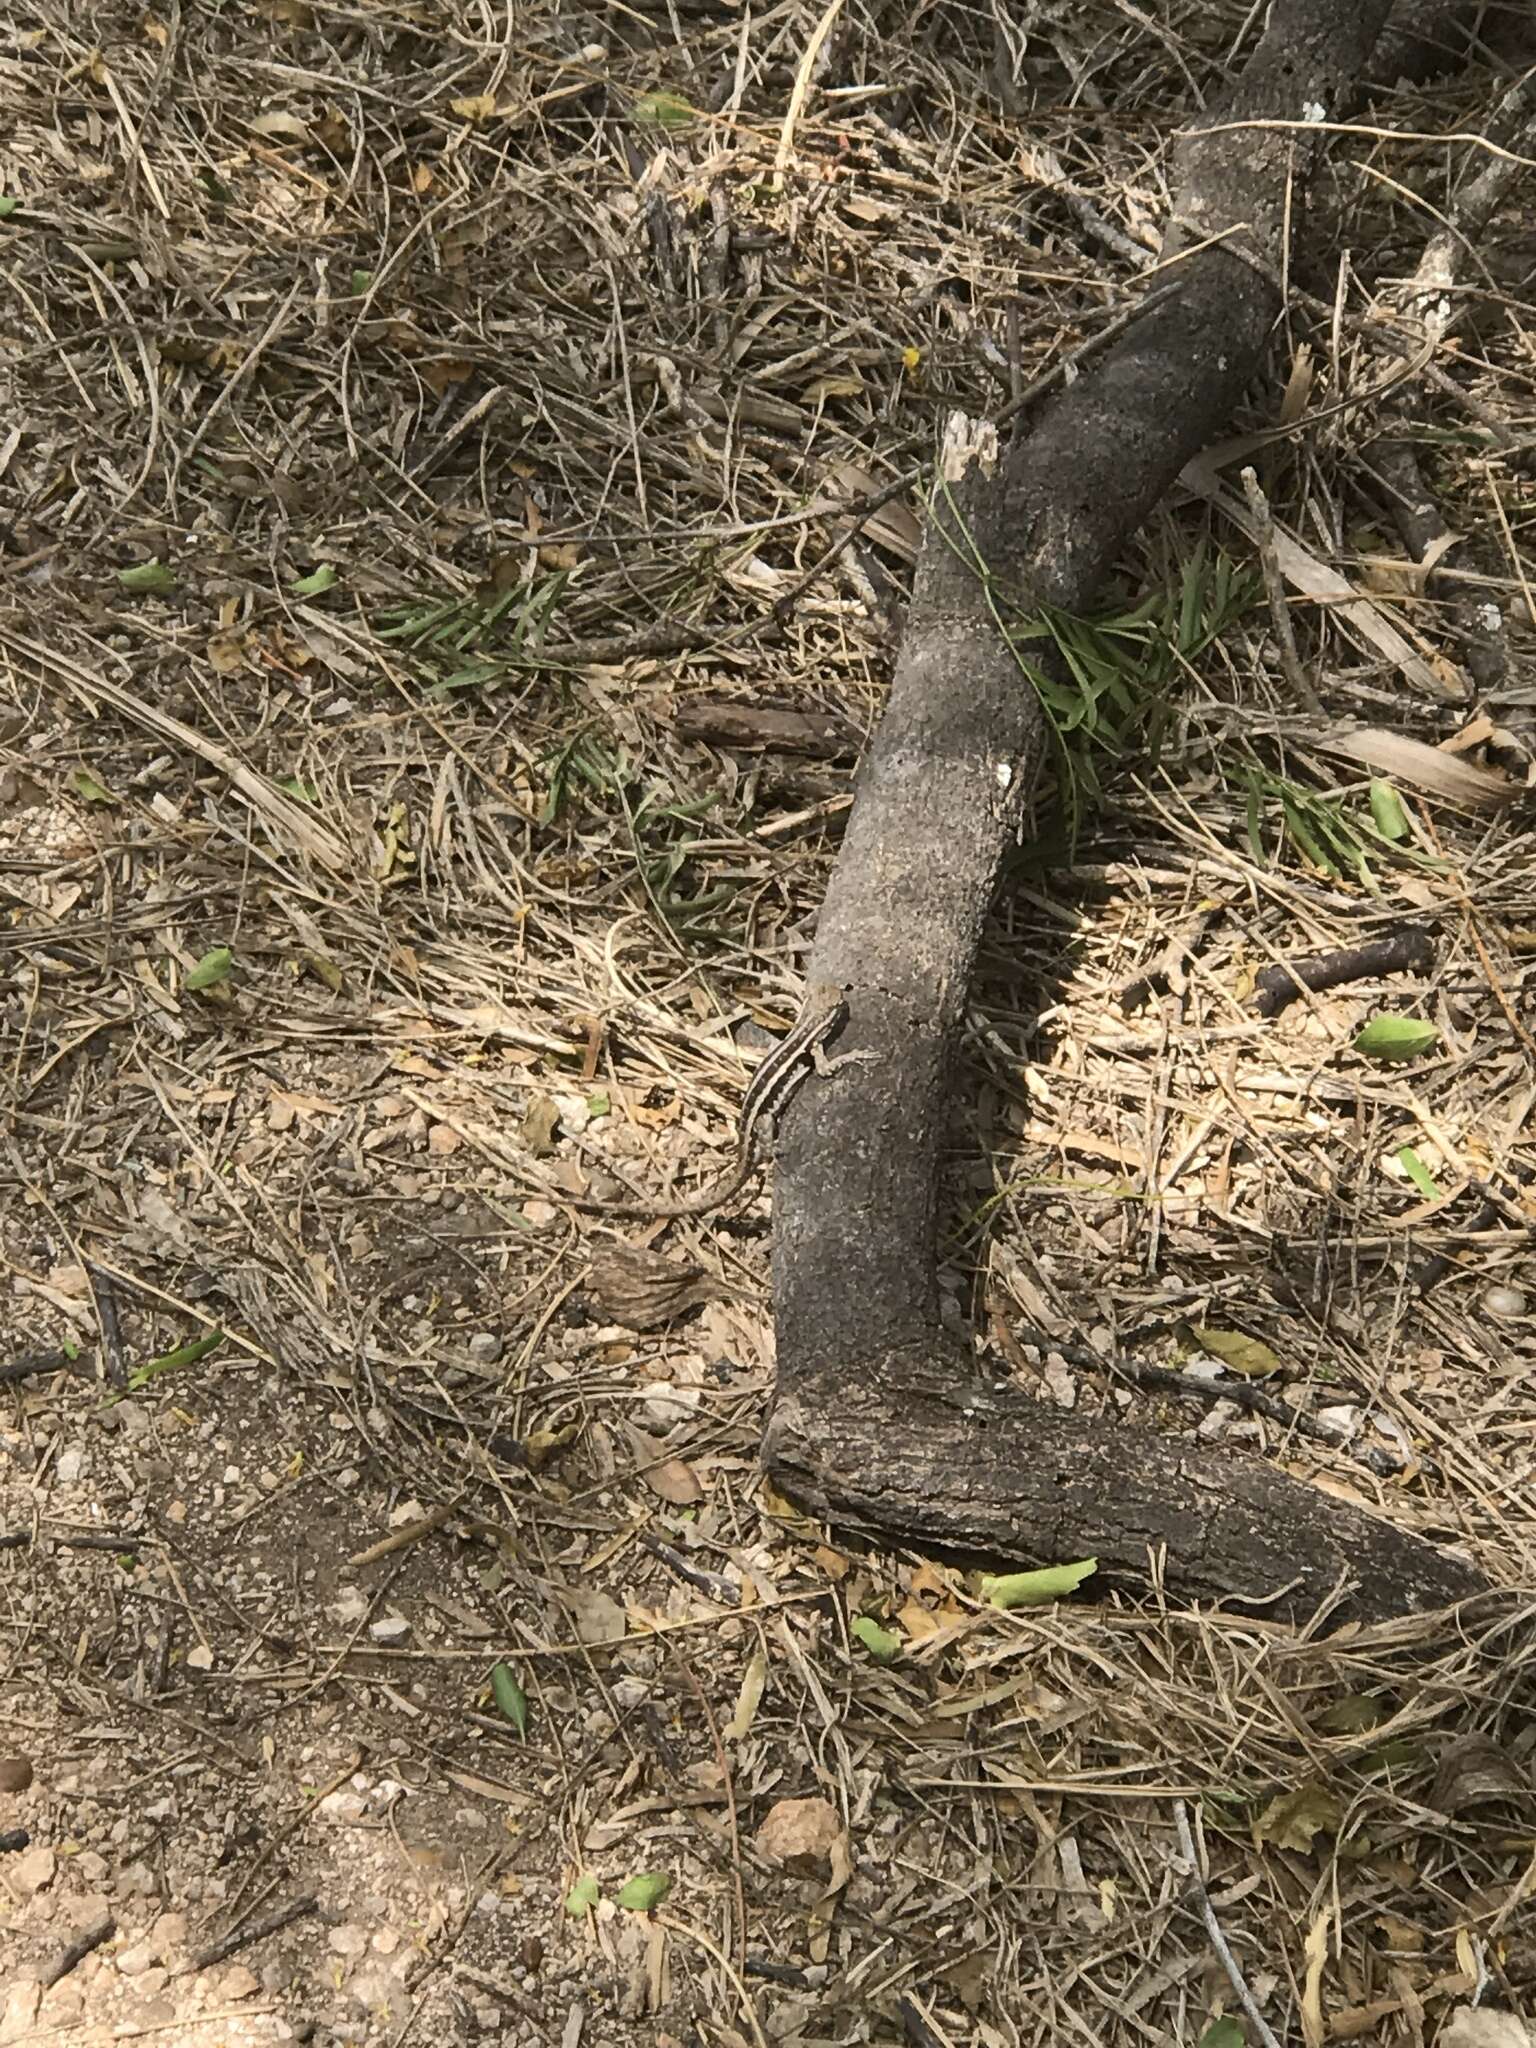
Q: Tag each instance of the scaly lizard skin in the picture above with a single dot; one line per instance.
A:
(823, 1013)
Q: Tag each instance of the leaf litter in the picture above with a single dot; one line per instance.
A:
(500, 391)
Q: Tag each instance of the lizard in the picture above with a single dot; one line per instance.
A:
(823, 1012)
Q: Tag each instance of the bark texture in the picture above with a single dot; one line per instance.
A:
(880, 1421)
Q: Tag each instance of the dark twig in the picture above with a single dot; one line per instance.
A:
(32, 1365)
(1494, 1209)
(105, 1292)
(1218, 1940)
(917, 2030)
(1240, 1392)
(1302, 694)
(1405, 952)
(76, 1951)
(254, 1931)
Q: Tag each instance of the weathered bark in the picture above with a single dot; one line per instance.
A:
(879, 1420)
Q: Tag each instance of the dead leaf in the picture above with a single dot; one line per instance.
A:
(822, 389)
(1476, 1772)
(541, 1444)
(226, 653)
(1432, 769)
(917, 1621)
(285, 1107)
(478, 106)
(1325, 586)
(1397, 576)
(642, 1290)
(540, 1121)
(1313, 2026)
(1294, 1818)
(280, 127)
(489, 1788)
(801, 1835)
(748, 1699)
(594, 1617)
(445, 370)
(1355, 2020)
(674, 1481)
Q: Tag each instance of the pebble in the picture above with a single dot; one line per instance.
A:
(239, 1982)
(390, 1628)
(485, 1347)
(33, 1872)
(135, 1960)
(68, 1467)
(21, 2007)
(1507, 1303)
(348, 1939)
(15, 1773)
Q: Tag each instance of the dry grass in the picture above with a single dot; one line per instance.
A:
(441, 356)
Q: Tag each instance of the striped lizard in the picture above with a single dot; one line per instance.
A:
(802, 1050)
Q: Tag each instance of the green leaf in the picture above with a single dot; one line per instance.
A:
(881, 1643)
(144, 576)
(211, 969)
(1418, 1173)
(1390, 1037)
(1356, 1714)
(1222, 2034)
(88, 789)
(1249, 1356)
(510, 1697)
(1033, 1589)
(172, 1361)
(644, 1893)
(1387, 810)
(8, 206)
(582, 1896)
(361, 279)
(323, 578)
(296, 786)
(664, 110)
(1291, 1820)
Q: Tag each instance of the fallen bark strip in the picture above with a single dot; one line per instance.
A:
(880, 1422)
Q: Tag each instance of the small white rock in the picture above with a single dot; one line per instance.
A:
(34, 1872)
(346, 1807)
(1507, 1303)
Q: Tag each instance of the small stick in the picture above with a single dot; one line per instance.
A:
(256, 1930)
(1240, 1392)
(77, 1951)
(1219, 1942)
(1408, 951)
(106, 1315)
(1301, 690)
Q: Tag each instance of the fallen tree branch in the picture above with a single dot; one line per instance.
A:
(880, 1421)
